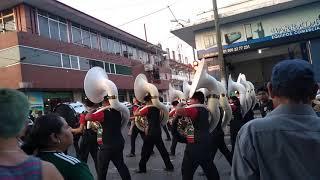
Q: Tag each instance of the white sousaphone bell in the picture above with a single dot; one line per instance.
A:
(142, 88)
(203, 80)
(97, 86)
(176, 94)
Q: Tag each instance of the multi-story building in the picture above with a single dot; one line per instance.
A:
(257, 34)
(46, 48)
(181, 70)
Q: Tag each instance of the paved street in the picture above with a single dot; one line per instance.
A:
(155, 165)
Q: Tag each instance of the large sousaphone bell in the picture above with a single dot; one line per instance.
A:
(142, 88)
(175, 94)
(97, 86)
(203, 80)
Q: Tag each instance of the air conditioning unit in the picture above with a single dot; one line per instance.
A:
(148, 67)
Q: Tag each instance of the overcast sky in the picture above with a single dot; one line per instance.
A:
(119, 12)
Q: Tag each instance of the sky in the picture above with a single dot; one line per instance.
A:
(158, 25)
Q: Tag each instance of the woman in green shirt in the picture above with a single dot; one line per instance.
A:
(48, 139)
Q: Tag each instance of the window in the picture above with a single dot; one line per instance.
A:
(43, 26)
(84, 63)
(63, 32)
(208, 40)
(94, 40)
(112, 69)
(54, 29)
(117, 48)
(66, 61)
(37, 56)
(9, 24)
(123, 70)
(107, 67)
(134, 54)
(7, 20)
(74, 62)
(111, 45)
(76, 35)
(104, 44)
(94, 63)
(86, 38)
(124, 50)
(52, 26)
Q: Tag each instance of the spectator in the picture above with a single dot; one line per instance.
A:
(14, 163)
(50, 137)
(265, 103)
(286, 143)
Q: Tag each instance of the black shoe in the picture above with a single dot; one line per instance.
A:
(131, 155)
(138, 171)
(169, 169)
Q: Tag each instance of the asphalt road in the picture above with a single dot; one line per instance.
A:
(155, 164)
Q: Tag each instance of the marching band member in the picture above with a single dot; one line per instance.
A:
(198, 152)
(112, 141)
(88, 142)
(135, 130)
(152, 137)
(174, 138)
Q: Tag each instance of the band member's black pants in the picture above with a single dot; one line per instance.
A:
(198, 155)
(218, 143)
(114, 154)
(165, 128)
(174, 143)
(147, 149)
(235, 127)
(88, 145)
(135, 132)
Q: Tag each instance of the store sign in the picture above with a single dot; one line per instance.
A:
(214, 68)
(261, 31)
(296, 29)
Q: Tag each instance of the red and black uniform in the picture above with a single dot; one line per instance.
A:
(135, 132)
(113, 143)
(88, 142)
(153, 137)
(198, 153)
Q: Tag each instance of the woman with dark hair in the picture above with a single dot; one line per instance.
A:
(49, 138)
(14, 163)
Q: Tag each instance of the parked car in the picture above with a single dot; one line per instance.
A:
(128, 104)
(168, 105)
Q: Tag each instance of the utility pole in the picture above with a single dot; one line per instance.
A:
(219, 44)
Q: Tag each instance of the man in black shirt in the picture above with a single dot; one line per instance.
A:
(265, 103)
(112, 141)
(152, 137)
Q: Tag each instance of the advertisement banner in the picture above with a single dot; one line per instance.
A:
(36, 101)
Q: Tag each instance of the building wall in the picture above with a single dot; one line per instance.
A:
(291, 22)
(10, 77)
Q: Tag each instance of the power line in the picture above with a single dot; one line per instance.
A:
(146, 15)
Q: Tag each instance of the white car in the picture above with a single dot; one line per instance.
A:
(168, 105)
(78, 107)
(127, 104)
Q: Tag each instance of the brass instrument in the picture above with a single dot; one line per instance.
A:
(141, 89)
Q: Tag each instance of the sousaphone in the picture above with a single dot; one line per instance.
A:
(97, 86)
(203, 80)
(141, 89)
